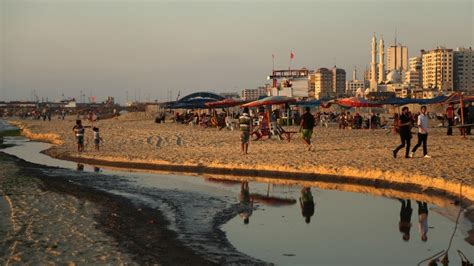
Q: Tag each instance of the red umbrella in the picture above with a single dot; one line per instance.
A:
(224, 103)
(269, 101)
(356, 102)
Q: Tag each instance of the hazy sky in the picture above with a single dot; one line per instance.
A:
(150, 47)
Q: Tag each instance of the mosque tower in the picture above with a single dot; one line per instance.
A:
(381, 61)
(373, 65)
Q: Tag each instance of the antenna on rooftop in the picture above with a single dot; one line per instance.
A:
(395, 37)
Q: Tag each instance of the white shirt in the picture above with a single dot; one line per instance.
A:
(422, 124)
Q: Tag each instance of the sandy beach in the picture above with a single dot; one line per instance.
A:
(362, 154)
(48, 220)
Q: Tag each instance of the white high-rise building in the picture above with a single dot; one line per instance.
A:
(437, 69)
(414, 75)
(397, 58)
(464, 70)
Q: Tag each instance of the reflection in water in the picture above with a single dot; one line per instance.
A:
(405, 219)
(307, 204)
(80, 167)
(423, 220)
(246, 203)
(272, 200)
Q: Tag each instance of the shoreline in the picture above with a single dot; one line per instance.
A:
(345, 174)
(110, 233)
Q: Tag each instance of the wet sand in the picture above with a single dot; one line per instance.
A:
(134, 140)
(55, 221)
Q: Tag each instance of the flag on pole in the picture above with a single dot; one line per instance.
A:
(292, 55)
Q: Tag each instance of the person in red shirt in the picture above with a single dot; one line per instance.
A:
(450, 117)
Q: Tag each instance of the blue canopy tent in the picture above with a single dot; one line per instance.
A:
(195, 100)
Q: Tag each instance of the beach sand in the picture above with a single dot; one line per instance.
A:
(362, 154)
(48, 220)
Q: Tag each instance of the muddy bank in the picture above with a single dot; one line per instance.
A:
(55, 221)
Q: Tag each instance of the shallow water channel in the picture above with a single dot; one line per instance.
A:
(218, 219)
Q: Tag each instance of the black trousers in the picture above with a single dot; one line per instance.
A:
(450, 126)
(422, 138)
(405, 138)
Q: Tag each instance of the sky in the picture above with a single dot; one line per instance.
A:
(151, 50)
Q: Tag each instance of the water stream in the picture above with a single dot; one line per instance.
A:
(209, 214)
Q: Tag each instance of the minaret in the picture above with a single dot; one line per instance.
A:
(381, 61)
(373, 65)
(354, 73)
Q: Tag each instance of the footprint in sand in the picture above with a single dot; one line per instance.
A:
(179, 140)
(158, 142)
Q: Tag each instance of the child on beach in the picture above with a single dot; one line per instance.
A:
(78, 130)
(97, 138)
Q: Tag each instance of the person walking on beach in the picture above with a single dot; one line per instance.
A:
(404, 128)
(306, 127)
(450, 117)
(245, 125)
(97, 138)
(422, 133)
(78, 130)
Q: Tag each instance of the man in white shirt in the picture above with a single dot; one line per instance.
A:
(422, 133)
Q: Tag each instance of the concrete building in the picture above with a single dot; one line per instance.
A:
(414, 74)
(463, 64)
(253, 94)
(323, 83)
(397, 57)
(338, 77)
(291, 83)
(353, 85)
(437, 69)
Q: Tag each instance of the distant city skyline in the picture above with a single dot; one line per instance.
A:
(149, 48)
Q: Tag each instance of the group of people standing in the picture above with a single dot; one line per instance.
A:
(79, 132)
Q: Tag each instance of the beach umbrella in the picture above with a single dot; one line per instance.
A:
(356, 102)
(224, 103)
(269, 101)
